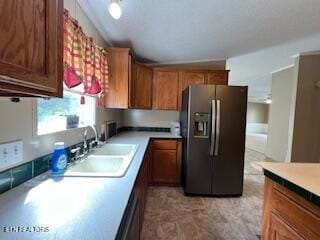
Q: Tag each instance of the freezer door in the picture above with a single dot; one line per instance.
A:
(228, 165)
(197, 163)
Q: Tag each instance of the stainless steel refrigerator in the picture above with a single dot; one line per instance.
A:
(213, 126)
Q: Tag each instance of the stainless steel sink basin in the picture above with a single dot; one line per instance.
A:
(111, 160)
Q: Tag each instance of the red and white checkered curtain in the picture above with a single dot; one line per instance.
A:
(84, 62)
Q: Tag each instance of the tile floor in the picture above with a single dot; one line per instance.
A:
(257, 142)
(169, 215)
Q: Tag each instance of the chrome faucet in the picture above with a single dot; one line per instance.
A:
(95, 133)
(85, 145)
(87, 149)
(76, 155)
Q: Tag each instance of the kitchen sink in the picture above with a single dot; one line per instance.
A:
(111, 160)
(115, 150)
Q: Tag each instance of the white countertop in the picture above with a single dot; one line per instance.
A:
(304, 175)
(73, 207)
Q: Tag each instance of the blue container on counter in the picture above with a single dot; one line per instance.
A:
(59, 159)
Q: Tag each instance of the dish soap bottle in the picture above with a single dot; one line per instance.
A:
(59, 159)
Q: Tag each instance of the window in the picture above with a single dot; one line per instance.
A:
(54, 115)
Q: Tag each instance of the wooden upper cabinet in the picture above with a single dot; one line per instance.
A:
(142, 90)
(165, 89)
(31, 47)
(134, 85)
(164, 166)
(187, 78)
(217, 77)
(130, 82)
(117, 95)
(165, 80)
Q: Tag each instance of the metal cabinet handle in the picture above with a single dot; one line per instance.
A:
(216, 151)
(213, 131)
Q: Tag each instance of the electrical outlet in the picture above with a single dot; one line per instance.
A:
(11, 153)
(5, 152)
(17, 151)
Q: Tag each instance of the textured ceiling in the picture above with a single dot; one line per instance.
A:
(254, 69)
(169, 31)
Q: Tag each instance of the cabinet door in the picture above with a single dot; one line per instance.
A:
(298, 214)
(142, 194)
(139, 191)
(141, 187)
(31, 47)
(149, 164)
(117, 95)
(218, 77)
(189, 78)
(165, 90)
(164, 168)
(279, 230)
(132, 81)
(143, 87)
(179, 163)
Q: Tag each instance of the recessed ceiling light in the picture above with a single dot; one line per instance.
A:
(115, 9)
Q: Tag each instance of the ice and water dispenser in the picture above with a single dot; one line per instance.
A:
(201, 124)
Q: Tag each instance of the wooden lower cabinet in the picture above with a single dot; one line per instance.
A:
(287, 215)
(164, 166)
(279, 230)
(141, 185)
(166, 162)
(161, 166)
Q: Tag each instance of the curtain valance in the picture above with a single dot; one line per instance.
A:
(84, 62)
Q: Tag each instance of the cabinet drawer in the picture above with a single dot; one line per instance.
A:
(298, 217)
(165, 144)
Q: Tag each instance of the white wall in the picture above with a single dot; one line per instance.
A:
(257, 112)
(279, 114)
(17, 119)
(147, 118)
(292, 108)
(305, 138)
(257, 118)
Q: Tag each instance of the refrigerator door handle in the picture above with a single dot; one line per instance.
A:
(216, 151)
(213, 131)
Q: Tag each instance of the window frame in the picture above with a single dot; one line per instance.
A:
(35, 115)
